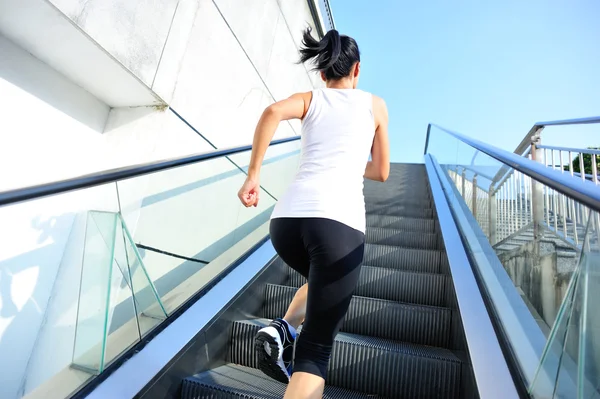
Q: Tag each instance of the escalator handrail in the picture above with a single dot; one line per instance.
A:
(117, 174)
(582, 191)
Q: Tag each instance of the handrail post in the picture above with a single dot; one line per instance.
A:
(537, 192)
(492, 215)
(474, 197)
(463, 177)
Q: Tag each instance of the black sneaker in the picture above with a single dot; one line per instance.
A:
(274, 346)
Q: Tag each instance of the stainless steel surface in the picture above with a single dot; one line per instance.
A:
(576, 121)
(492, 375)
(584, 192)
(570, 150)
(127, 172)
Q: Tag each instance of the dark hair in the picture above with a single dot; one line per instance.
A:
(335, 54)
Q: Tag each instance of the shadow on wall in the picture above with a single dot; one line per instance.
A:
(38, 79)
(186, 268)
(26, 284)
(23, 70)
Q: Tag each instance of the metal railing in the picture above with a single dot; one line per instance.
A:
(531, 224)
(505, 208)
(128, 172)
(561, 214)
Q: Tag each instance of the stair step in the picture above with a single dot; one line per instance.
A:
(371, 365)
(406, 239)
(401, 223)
(424, 325)
(399, 210)
(409, 259)
(394, 285)
(233, 381)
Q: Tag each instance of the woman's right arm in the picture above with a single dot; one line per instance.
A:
(378, 168)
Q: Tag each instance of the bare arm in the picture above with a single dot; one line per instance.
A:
(294, 107)
(378, 168)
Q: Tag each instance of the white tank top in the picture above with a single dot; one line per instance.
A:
(337, 135)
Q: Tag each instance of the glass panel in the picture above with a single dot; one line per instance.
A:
(85, 275)
(189, 225)
(571, 360)
(526, 241)
(94, 299)
(57, 253)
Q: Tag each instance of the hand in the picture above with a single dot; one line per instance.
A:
(248, 194)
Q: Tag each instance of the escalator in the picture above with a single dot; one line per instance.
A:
(164, 296)
(399, 338)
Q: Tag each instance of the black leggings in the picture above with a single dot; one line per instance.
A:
(329, 255)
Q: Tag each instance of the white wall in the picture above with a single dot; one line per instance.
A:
(210, 63)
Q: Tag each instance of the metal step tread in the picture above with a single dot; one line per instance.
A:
(401, 200)
(415, 212)
(413, 259)
(392, 284)
(235, 381)
(403, 223)
(369, 364)
(420, 324)
(363, 341)
(408, 239)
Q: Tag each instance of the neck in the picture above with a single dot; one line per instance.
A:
(345, 83)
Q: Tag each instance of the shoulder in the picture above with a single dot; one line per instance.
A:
(305, 98)
(303, 95)
(379, 107)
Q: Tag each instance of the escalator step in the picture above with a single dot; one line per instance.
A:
(409, 259)
(401, 223)
(371, 365)
(394, 285)
(410, 202)
(424, 325)
(406, 195)
(401, 210)
(406, 239)
(232, 381)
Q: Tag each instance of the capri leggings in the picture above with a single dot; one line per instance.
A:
(329, 255)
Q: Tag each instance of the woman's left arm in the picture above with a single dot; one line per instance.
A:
(294, 107)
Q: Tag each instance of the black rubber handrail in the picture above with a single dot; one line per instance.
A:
(584, 192)
(113, 175)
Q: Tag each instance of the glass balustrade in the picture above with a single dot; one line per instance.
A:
(87, 274)
(535, 253)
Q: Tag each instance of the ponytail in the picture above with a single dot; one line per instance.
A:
(334, 54)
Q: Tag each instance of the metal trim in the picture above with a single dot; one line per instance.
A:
(316, 15)
(576, 121)
(112, 175)
(492, 374)
(585, 192)
(567, 149)
(137, 372)
(327, 8)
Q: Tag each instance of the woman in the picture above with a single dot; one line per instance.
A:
(318, 225)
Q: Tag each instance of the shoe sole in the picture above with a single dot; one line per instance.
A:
(268, 363)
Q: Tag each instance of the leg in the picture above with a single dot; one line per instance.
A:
(336, 253)
(287, 240)
(297, 309)
(274, 344)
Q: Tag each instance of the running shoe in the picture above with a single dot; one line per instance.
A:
(274, 346)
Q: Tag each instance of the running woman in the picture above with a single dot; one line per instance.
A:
(318, 225)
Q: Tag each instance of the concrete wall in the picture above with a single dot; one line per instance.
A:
(539, 276)
(208, 60)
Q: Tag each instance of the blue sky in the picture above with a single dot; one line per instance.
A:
(488, 69)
